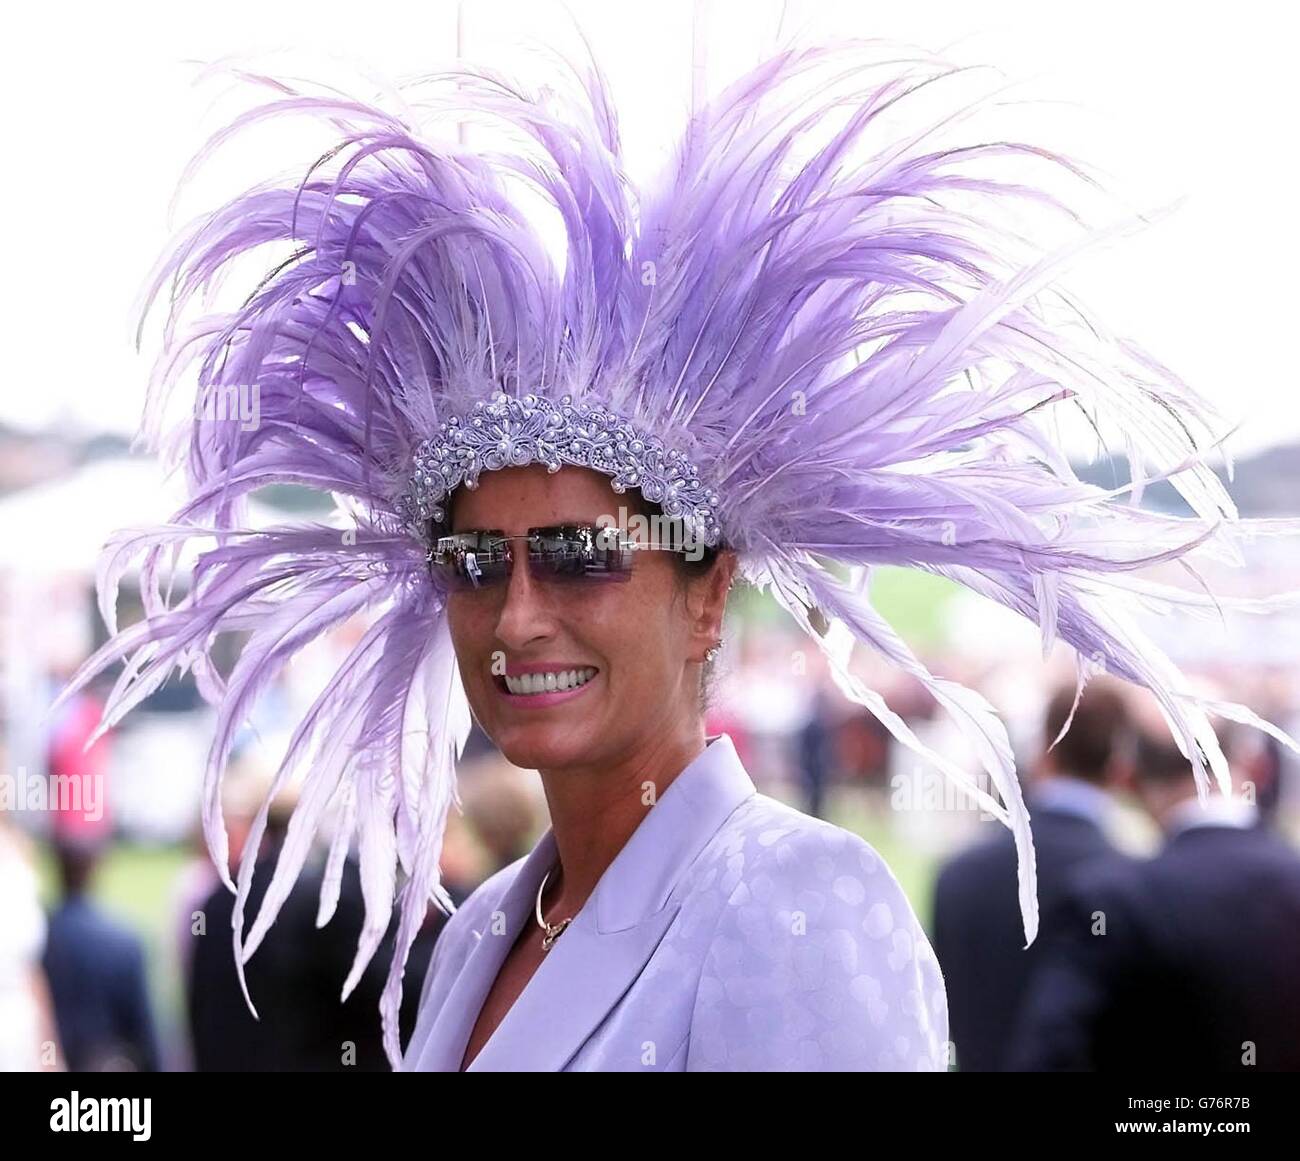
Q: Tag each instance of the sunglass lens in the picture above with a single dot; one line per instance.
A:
(472, 561)
(570, 554)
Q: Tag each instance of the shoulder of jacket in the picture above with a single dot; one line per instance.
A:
(772, 849)
(810, 938)
(1113, 873)
(1118, 886)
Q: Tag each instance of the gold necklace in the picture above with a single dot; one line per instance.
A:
(552, 931)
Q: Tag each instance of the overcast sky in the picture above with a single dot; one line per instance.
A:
(1197, 101)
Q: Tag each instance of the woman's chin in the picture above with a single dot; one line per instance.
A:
(540, 747)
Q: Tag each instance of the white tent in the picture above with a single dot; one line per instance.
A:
(60, 526)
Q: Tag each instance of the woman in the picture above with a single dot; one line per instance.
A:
(697, 924)
(812, 339)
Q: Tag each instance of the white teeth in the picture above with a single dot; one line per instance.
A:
(531, 683)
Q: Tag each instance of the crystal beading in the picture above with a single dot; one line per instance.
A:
(512, 431)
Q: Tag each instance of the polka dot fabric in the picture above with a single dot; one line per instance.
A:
(812, 960)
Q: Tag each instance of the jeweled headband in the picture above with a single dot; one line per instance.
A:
(509, 431)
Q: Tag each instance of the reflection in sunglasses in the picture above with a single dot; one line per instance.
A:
(584, 552)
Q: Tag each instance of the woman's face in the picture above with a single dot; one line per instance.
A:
(644, 636)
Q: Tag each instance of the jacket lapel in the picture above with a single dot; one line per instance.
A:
(581, 979)
(604, 949)
(445, 1047)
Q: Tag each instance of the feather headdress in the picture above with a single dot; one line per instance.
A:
(846, 341)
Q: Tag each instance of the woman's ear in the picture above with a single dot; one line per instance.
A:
(707, 603)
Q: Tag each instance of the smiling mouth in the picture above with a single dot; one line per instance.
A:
(557, 681)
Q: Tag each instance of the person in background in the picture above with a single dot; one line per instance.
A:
(96, 971)
(28, 1039)
(296, 976)
(503, 811)
(1185, 961)
(815, 752)
(80, 815)
(978, 934)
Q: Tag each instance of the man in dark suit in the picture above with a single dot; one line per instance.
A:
(978, 931)
(1185, 962)
(295, 979)
(96, 970)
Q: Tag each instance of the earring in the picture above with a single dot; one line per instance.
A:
(712, 652)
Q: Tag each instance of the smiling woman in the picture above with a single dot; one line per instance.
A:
(628, 720)
(812, 338)
(623, 744)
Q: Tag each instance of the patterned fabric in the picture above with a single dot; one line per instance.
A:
(731, 933)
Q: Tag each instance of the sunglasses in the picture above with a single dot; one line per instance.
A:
(563, 553)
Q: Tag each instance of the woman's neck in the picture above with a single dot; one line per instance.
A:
(595, 809)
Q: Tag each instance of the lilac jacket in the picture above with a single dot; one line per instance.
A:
(731, 932)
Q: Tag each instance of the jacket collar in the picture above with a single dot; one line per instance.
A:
(640, 880)
(1062, 794)
(610, 939)
(1215, 812)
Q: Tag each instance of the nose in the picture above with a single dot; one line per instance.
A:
(526, 615)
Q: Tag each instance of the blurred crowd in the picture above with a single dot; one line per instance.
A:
(1169, 928)
(1182, 961)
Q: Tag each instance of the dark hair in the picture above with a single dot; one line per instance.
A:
(687, 570)
(77, 859)
(1158, 758)
(1089, 744)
